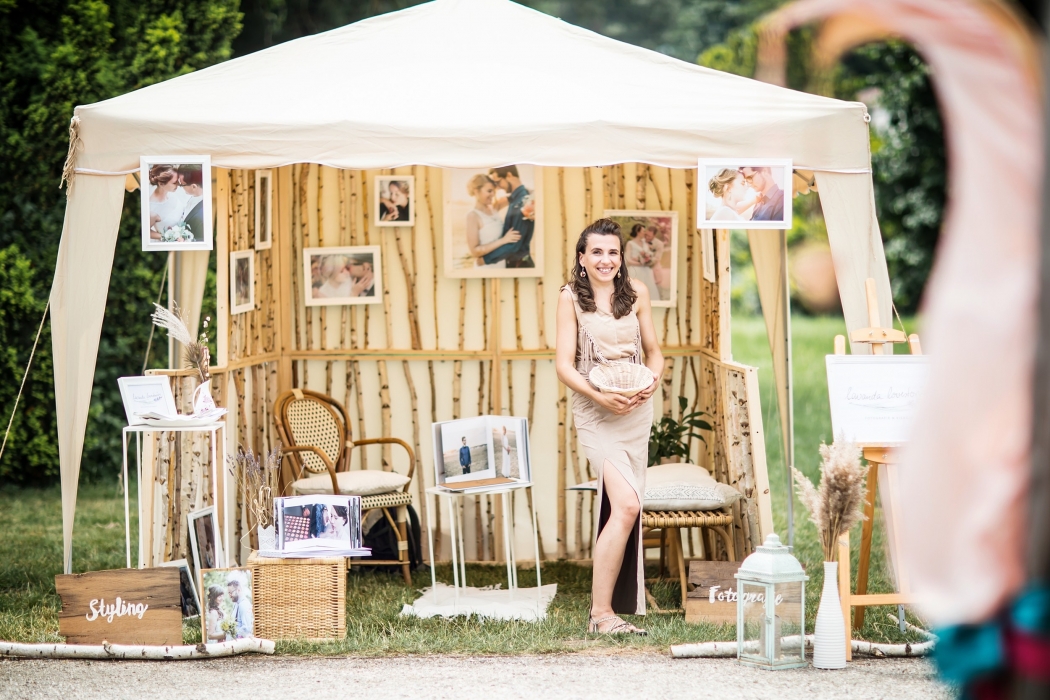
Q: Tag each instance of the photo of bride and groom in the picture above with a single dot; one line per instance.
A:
(746, 194)
(493, 222)
(651, 251)
(176, 203)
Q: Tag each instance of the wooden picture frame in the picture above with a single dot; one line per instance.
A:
(185, 208)
(659, 273)
(343, 275)
(242, 281)
(462, 189)
(263, 209)
(732, 191)
(394, 196)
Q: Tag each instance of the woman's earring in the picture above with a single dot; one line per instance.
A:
(583, 273)
(617, 274)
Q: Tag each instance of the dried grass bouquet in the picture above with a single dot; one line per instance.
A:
(257, 476)
(836, 505)
(197, 356)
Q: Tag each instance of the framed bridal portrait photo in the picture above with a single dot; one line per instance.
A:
(343, 275)
(242, 281)
(395, 203)
(176, 202)
(494, 221)
(651, 251)
(744, 193)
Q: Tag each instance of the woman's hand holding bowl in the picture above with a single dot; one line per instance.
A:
(614, 403)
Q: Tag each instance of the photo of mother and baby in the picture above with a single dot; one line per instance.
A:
(176, 206)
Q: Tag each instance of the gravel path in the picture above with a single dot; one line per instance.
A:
(607, 676)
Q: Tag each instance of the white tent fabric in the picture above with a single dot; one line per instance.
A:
(328, 99)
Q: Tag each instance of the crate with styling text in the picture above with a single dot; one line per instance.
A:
(121, 606)
(299, 598)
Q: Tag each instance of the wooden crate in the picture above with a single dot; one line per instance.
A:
(299, 598)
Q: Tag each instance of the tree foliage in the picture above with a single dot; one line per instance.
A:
(54, 55)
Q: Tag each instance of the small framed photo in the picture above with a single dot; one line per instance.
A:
(395, 203)
(191, 602)
(263, 209)
(343, 275)
(176, 202)
(651, 251)
(747, 193)
(707, 253)
(494, 221)
(205, 542)
(142, 395)
(242, 281)
(228, 606)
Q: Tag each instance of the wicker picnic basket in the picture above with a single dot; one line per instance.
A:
(622, 378)
(299, 598)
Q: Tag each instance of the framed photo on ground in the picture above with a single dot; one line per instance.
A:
(176, 202)
(146, 395)
(191, 602)
(395, 203)
(343, 275)
(747, 193)
(494, 222)
(205, 542)
(242, 281)
(651, 251)
(228, 613)
(263, 209)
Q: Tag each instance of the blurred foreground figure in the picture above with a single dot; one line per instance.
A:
(976, 486)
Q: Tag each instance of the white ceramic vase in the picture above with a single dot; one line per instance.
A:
(267, 539)
(829, 635)
(202, 399)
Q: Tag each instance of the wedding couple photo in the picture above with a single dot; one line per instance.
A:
(651, 251)
(745, 194)
(494, 222)
(176, 202)
(342, 275)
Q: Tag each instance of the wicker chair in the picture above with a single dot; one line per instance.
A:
(315, 431)
(670, 524)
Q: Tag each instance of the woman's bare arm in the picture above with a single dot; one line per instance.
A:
(565, 359)
(654, 359)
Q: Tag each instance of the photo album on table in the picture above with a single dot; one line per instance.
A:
(317, 526)
(481, 453)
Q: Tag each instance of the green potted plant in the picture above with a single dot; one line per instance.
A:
(669, 439)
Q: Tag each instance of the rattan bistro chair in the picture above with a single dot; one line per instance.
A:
(670, 523)
(315, 431)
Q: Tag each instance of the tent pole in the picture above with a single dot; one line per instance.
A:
(788, 421)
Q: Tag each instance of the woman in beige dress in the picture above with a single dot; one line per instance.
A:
(605, 316)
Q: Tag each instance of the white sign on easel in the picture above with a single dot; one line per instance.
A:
(874, 398)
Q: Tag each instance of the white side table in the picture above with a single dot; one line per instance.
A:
(459, 558)
(216, 429)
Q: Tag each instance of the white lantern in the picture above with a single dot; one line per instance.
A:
(771, 608)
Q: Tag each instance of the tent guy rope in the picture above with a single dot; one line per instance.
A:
(25, 376)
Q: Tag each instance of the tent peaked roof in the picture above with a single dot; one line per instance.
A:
(466, 83)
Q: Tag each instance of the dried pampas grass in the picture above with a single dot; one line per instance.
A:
(197, 355)
(837, 504)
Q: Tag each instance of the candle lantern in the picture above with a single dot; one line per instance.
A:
(771, 608)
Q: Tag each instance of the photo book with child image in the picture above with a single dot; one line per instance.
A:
(317, 526)
(481, 453)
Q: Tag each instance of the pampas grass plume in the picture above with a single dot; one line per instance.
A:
(836, 505)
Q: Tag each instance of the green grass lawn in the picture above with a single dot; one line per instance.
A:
(31, 551)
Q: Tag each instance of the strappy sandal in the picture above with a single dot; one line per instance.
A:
(622, 627)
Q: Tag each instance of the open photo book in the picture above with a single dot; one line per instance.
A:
(476, 454)
(317, 526)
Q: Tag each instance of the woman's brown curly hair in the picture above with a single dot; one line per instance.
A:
(624, 296)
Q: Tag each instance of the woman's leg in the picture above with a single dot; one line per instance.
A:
(609, 549)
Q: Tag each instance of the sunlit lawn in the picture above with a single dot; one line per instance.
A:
(31, 551)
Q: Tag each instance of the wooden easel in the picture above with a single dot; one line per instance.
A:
(879, 457)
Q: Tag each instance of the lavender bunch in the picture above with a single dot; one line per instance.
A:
(257, 476)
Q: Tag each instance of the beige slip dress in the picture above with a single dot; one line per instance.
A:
(622, 441)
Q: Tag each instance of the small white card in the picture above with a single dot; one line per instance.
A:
(142, 395)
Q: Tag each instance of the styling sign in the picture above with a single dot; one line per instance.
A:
(123, 606)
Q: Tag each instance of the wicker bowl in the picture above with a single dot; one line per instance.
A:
(622, 378)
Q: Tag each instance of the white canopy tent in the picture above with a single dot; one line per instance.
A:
(563, 96)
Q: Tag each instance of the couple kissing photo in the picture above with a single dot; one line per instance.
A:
(745, 193)
(176, 202)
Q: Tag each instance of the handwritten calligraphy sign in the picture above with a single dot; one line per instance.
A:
(874, 397)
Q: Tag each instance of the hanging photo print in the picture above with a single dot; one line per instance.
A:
(344, 275)
(745, 193)
(242, 281)
(651, 251)
(395, 203)
(263, 209)
(176, 202)
(494, 222)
